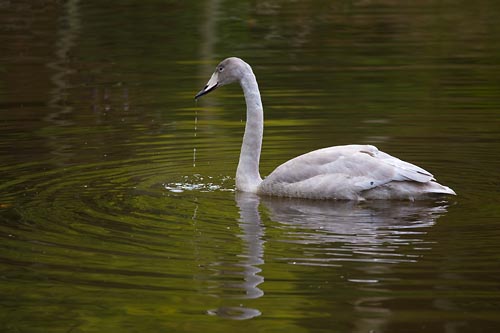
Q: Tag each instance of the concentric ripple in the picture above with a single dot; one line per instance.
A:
(100, 220)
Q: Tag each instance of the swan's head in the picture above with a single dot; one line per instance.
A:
(228, 71)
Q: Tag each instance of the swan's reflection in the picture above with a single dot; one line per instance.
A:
(374, 233)
(252, 230)
(252, 233)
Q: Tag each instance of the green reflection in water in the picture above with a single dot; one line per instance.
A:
(108, 218)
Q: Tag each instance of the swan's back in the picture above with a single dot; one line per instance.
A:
(352, 172)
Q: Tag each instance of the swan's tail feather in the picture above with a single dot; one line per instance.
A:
(440, 189)
(408, 191)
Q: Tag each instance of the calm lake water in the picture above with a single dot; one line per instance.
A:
(117, 204)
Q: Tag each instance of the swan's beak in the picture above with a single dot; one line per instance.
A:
(211, 85)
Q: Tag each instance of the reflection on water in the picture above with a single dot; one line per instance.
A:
(369, 233)
(69, 26)
(117, 202)
(252, 232)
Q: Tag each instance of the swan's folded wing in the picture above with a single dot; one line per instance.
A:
(342, 172)
(404, 170)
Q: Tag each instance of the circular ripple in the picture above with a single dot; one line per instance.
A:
(100, 220)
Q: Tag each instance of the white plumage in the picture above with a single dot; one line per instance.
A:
(352, 172)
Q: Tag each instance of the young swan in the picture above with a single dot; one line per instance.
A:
(351, 172)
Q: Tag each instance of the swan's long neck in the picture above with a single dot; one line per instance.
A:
(247, 174)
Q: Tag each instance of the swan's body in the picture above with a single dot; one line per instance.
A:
(352, 172)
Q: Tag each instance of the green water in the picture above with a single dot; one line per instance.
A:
(117, 203)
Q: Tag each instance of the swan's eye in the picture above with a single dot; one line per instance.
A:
(221, 68)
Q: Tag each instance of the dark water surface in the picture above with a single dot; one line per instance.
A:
(117, 203)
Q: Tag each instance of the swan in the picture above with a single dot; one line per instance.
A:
(349, 172)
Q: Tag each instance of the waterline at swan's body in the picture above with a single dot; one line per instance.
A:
(351, 172)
